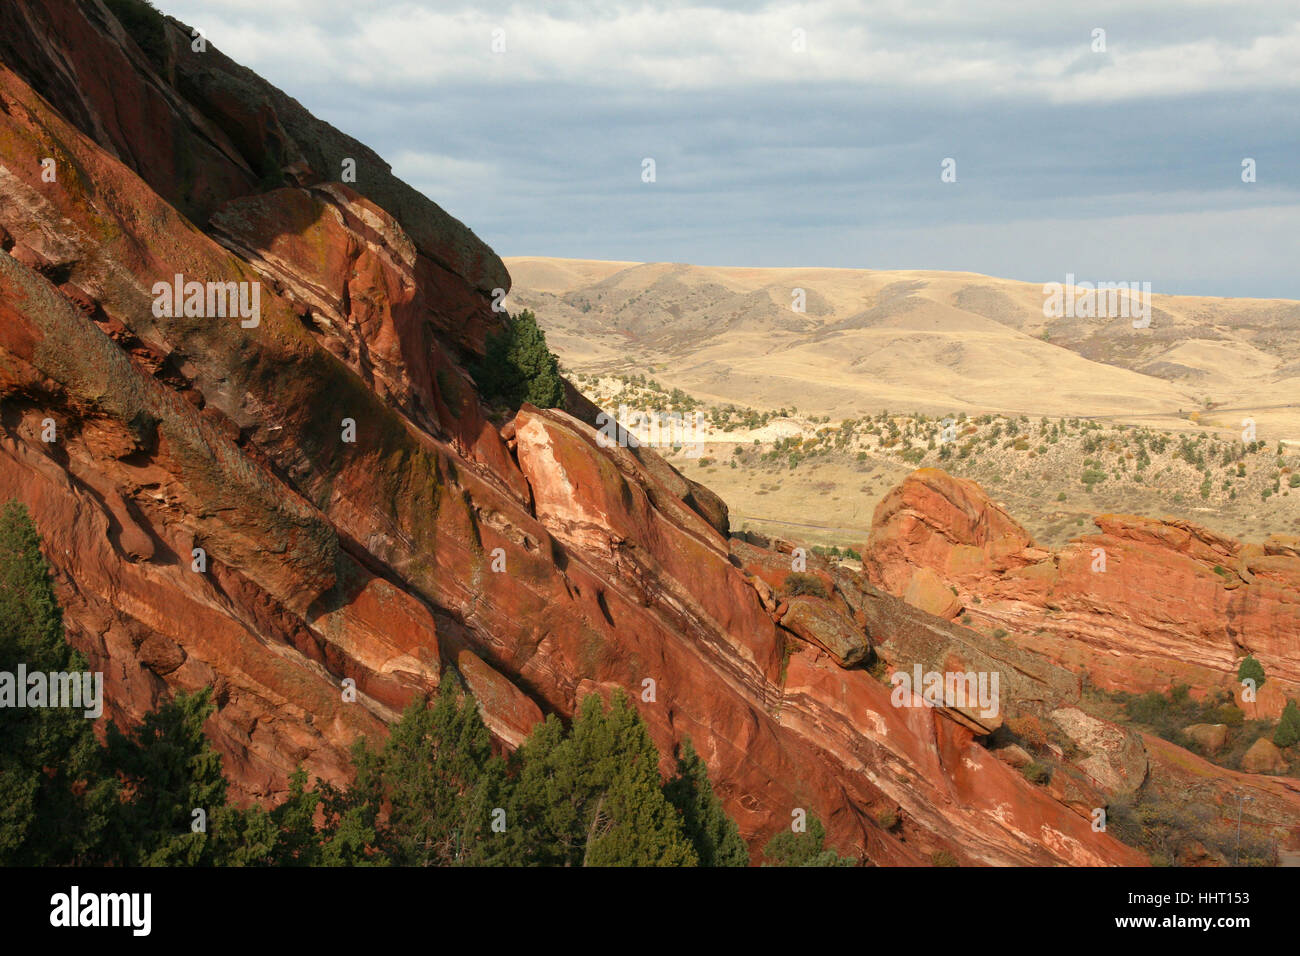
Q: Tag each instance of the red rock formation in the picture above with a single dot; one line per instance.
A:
(1140, 606)
(211, 523)
(934, 520)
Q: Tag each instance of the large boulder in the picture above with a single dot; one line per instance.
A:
(1263, 757)
(819, 622)
(947, 524)
(1209, 737)
(927, 592)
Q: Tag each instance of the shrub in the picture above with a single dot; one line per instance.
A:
(1288, 726)
(800, 582)
(943, 858)
(1228, 714)
(804, 849)
(1092, 476)
(518, 367)
(1148, 708)
(1036, 772)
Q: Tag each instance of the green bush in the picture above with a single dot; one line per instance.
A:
(804, 849)
(1036, 772)
(1092, 476)
(1229, 714)
(1288, 726)
(518, 367)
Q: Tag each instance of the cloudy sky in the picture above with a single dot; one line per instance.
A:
(813, 134)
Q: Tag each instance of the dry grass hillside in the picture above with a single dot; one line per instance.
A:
(912, 348)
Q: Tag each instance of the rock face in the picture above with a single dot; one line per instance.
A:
(275, 507)
(945, 524)
(1139, 606)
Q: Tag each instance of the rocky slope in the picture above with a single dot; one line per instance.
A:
(278, 509)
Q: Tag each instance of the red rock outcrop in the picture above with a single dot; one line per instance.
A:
(279, 508)
(1140, 606)
(947, 524)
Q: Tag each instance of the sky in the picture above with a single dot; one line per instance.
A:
(815, 134)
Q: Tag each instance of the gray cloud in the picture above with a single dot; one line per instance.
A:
(1123, 164)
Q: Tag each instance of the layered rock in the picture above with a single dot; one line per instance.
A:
(1141, 605)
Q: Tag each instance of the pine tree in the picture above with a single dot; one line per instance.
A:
(639, 827)
(804, 849)
(55, 796)
(594, 797)
(1287, 733)
(348, 831)
(518, 367)
(545, 814)
(297, 841)
(714, 835)
(439, 775)
(171, 770)
(1251, 669)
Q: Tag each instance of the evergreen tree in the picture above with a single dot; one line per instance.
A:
(518, 367)
(297, 842)
(1253, 670)
(348, 832)
(594, 797)
(714, 835)
(804, 849)
(55, 796)
(1288, 726)
(170, 771)
(442, 781)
